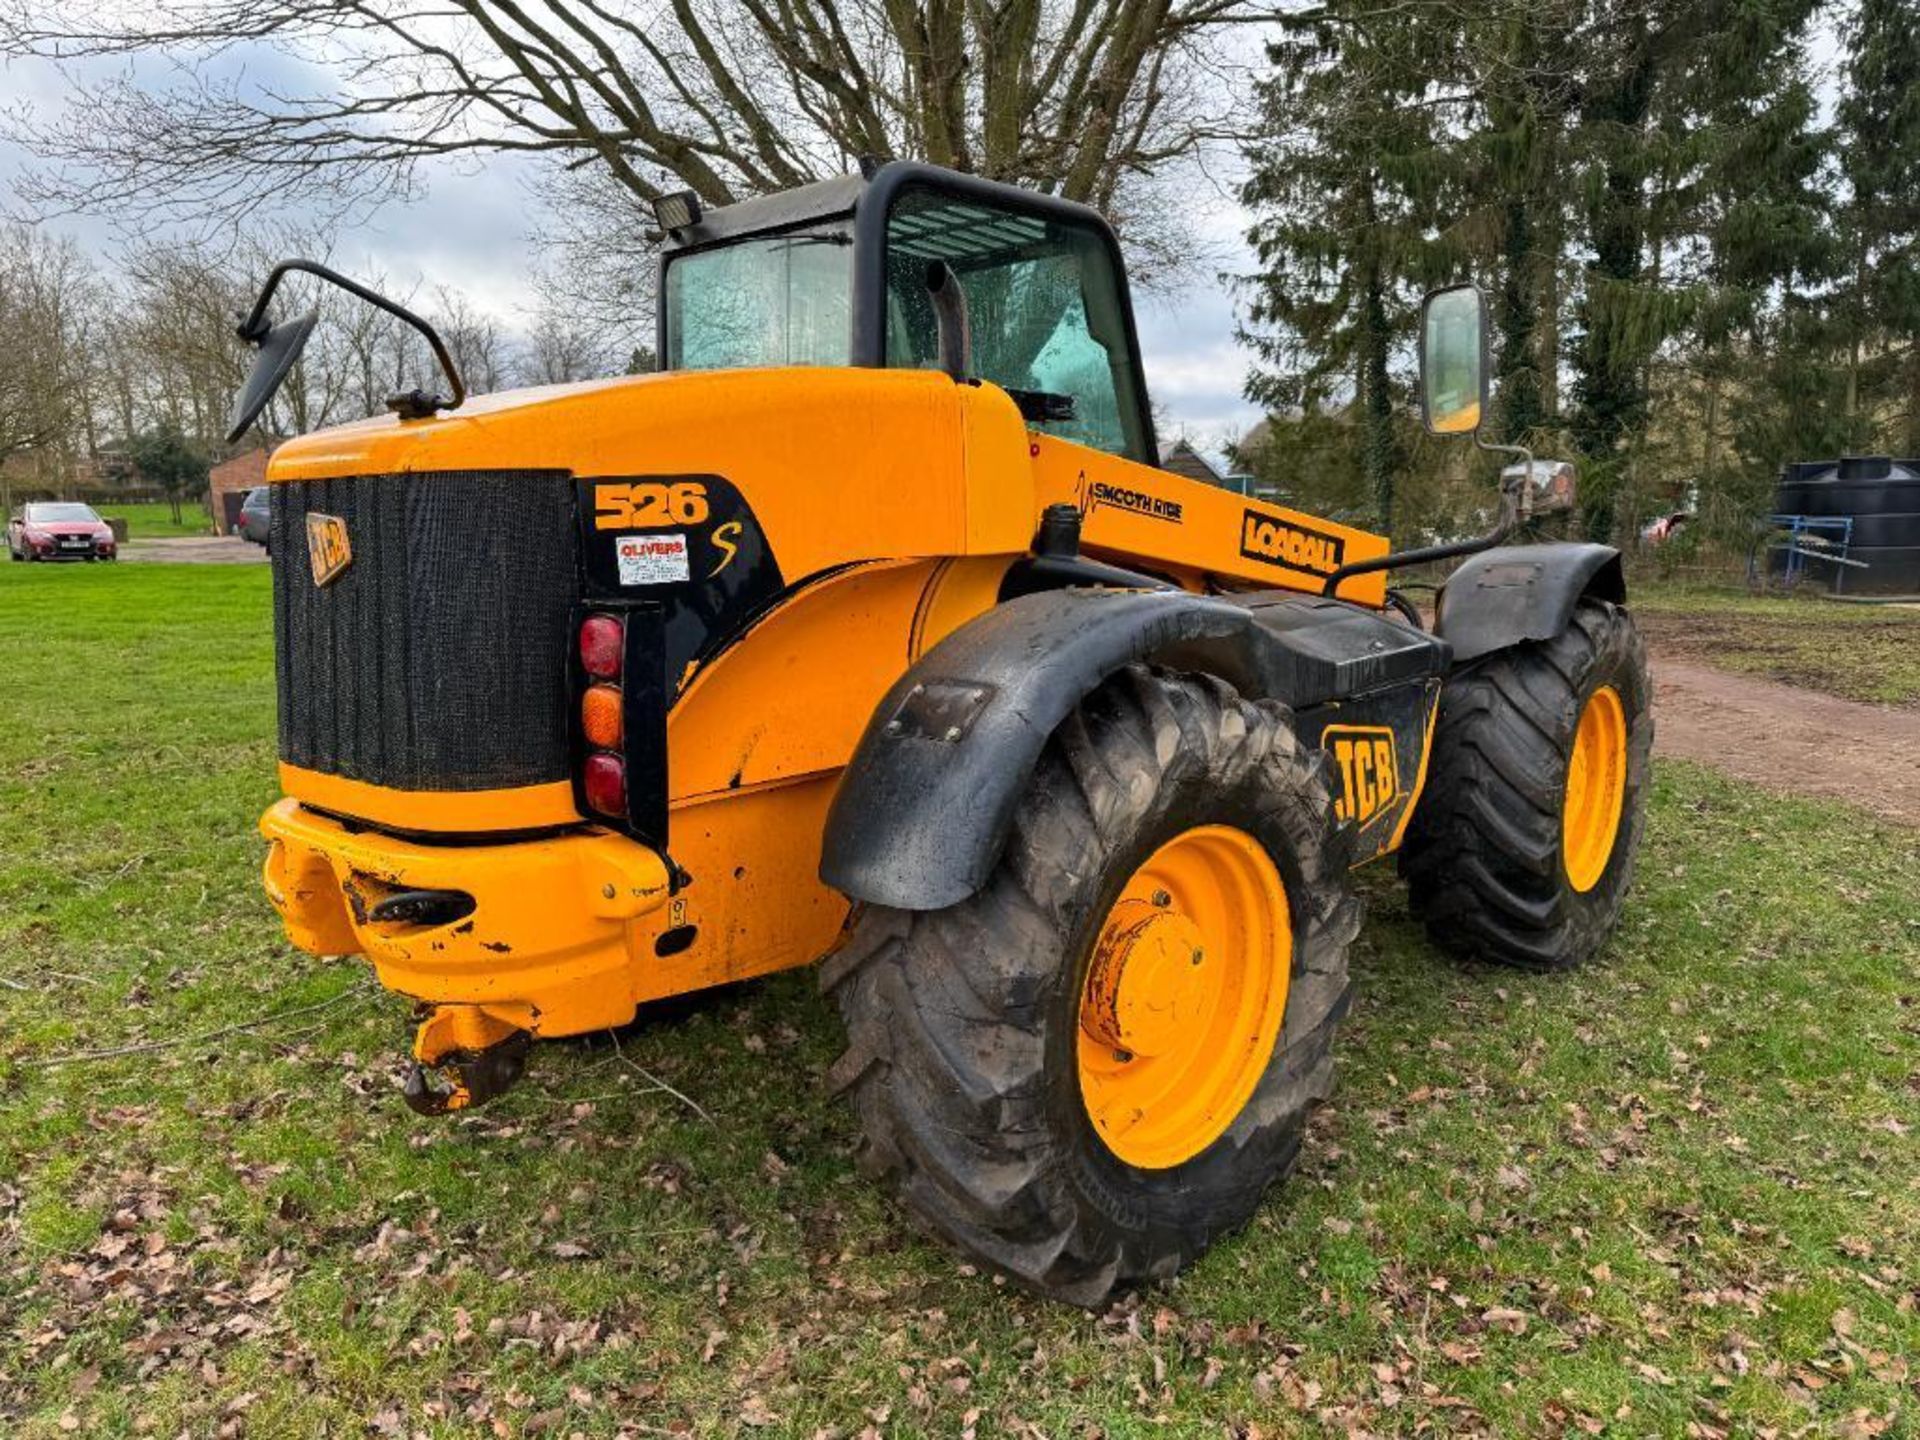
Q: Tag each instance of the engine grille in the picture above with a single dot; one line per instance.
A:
(437, 660)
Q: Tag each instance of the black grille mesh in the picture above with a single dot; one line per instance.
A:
(438, 659)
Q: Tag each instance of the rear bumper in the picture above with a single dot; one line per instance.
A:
(545, 949)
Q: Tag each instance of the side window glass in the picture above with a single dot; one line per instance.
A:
(1043, 302)
(781, 300)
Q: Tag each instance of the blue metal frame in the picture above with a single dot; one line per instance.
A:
(1799, 528)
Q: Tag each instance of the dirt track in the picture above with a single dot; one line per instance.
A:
(194, 550)
(1788, 739)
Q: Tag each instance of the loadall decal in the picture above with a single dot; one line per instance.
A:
(1376, 759)
(1289, 545)
(687, 543)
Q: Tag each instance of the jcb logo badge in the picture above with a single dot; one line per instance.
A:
(327, 548)
(1369, 769)
(648, 506)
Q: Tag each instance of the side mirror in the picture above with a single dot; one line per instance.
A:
(1455, 369)
(279, 347)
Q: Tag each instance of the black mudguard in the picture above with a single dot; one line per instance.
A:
(1522, 592)
(924, 807)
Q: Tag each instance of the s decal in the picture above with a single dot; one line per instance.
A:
(726, 538)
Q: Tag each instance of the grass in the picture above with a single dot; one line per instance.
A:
(1672, 1195)
(1859, 652)
(153, 520)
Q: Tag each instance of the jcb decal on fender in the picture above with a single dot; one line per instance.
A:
(649, 506)
(1293, 547)
(1368, 767)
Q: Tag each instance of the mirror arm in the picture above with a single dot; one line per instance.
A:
(1515, 506)
(1522, 500)
(1509, 522)
(413, 405)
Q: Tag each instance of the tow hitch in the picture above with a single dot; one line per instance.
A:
(479, 1052)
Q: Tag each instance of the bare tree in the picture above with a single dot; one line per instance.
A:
(48, 298)
(559, 349)
(1084, 98)
(477, 341)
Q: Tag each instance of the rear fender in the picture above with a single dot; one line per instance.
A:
(923, 810)
(1503, 596)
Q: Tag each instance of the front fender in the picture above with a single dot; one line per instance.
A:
(1503, 596)
(923, 810)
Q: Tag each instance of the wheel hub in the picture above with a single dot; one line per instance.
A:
(1184, 995)
(1149, 979)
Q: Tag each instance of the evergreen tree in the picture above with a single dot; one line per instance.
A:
(1878, 303)
(1521, 61)
(1348, 191)
(1689, 217)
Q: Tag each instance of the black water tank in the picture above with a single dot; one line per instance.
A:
(1882, 498)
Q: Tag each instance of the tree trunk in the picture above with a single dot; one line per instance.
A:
(1377, 440)
(1519, 378)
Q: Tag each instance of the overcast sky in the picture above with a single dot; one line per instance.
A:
(471, 229)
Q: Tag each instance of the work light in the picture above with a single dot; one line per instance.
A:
(677, 211)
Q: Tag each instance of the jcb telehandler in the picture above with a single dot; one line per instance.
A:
(869, 629)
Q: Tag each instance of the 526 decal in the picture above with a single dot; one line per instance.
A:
(648, 506)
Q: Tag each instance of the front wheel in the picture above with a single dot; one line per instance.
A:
(1522, 846)
(1089, 1070)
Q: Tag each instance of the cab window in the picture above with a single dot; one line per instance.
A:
(1044, 305)
(774, 300)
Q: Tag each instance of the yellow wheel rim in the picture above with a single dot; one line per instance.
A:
(1184, 996)
(1596, 789)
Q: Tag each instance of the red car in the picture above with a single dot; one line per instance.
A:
(59, 530)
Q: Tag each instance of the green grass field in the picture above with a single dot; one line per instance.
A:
(1858, 652)
(1673, 1195)
(153, 520)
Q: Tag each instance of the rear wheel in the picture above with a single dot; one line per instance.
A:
(1094, 1066)
(1522, 846)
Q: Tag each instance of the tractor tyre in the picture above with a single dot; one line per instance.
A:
(1094, 1066)
(1522, 846)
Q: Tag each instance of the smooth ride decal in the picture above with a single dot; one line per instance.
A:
(1102, 495)
(1289, 545)
(1369, 769)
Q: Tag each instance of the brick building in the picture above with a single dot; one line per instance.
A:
(228, 483)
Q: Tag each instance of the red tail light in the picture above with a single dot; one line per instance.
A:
(605, 781)
(602, 638)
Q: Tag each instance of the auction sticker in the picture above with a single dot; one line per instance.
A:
(651, 559)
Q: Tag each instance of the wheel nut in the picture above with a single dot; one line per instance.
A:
(1162, 899)
(1123, 1056)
